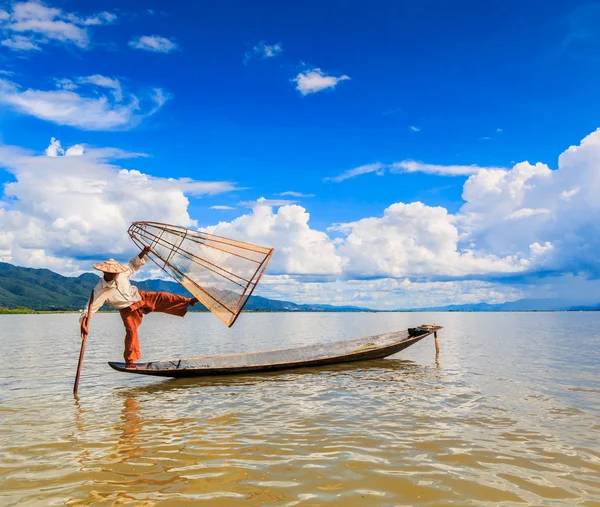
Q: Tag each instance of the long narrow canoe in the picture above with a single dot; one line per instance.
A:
(361, 349)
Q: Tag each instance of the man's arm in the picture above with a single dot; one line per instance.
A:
(138, 261)
(99, 299)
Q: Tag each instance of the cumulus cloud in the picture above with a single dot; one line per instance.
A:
(553, 207)
(298, 248)
(74, 204)
(414, 129)
(29, 25)
(90, 103)
(154, 43)
(263, 50)
(315, 80)
(386, 293)
(526, 223)
(414, 240)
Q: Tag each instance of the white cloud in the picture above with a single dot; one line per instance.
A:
(104, 82)
(270, 51)
(76, 149)
(386, 293)
(540, 198)
(39, 24)
(567, 194)
(154, 43)
(222, 208)
(54, 149)
(409, 240)
(266, 202)
(316, 80)
(298, 248)
(21, 43)
(414, 240)
(102, 18)
(377, 168)
(414, 129)
(412, 166)
(291, 193)
(74, 203)
(89, 108)
(264, 51)
(65, 84)
(528, 212)
(537, 250)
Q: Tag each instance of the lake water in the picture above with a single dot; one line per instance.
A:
(508, 414)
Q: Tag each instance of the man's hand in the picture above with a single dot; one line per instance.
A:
(144, 252)
(84, 326)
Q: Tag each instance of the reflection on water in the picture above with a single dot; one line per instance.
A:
(506, 414)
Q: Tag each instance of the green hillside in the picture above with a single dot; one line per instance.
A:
(42, 289)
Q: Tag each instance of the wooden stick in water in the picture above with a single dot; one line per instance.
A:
(83, 339)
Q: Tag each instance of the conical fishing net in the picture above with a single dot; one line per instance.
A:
(220, 272)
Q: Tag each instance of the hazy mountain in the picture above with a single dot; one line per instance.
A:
(522, 305)
(42, 289)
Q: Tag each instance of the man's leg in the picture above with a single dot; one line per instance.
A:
(131, 320)
(166, 302)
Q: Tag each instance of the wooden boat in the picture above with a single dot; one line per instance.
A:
(372, 347)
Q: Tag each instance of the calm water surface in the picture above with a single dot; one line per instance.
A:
(508, 414)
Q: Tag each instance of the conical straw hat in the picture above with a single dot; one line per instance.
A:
(110, 266)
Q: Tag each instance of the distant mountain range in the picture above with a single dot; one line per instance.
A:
(522, 305)
(44, 290)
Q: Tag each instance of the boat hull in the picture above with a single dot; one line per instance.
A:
(362, 349)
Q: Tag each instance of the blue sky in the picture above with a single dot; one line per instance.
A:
(273, 97)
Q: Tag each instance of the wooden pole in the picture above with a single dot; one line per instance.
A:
(437, 343)
(83, 339)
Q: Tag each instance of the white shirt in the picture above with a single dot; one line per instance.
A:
(119, 293)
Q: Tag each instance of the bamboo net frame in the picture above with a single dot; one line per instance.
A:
(220, 272)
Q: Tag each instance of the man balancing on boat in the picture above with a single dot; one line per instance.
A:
(115, 290)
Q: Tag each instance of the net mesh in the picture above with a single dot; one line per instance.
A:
(222, 273)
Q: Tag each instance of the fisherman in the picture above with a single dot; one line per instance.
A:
(114, 288)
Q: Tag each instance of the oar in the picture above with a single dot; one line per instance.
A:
(83, 339)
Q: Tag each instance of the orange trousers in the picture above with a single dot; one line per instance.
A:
(133, 316)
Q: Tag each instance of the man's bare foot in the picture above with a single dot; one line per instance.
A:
(130, 366)
(193, 301)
